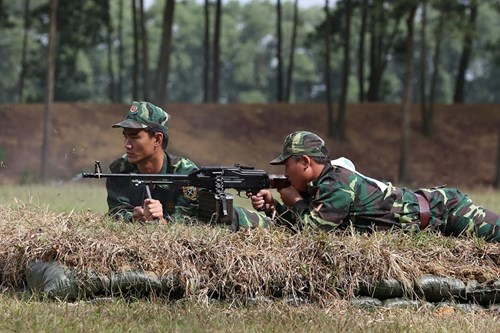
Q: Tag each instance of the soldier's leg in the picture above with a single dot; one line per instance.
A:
(245, 218)
(466, 217)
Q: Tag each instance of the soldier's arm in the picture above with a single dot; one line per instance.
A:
(328, 209)
(187, 199)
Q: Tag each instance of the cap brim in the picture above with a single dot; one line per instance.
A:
(279, 160)
(129, 123)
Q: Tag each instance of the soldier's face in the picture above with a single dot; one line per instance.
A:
(295, 171)
(139, 145)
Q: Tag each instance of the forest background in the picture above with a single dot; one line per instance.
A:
(406, 58)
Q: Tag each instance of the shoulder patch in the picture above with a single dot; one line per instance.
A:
(190, 192)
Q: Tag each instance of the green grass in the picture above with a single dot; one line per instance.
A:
(91, 195)
(67, 197)
(156, 316)
(73, 196)
(486, 198)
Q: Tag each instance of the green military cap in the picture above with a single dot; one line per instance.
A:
(145, 115)
(301, 143)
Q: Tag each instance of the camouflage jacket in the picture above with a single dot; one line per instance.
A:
(123, 196)
(340, 197)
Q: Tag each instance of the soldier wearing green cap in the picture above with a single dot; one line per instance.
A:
(333, 195)
(145, 132)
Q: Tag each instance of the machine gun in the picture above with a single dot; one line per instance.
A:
(214, 179)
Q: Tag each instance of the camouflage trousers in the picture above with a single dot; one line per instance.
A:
(454, 213)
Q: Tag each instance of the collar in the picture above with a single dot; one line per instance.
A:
(312, 187)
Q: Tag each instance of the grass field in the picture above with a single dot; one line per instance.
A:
(91, 195)
(21, 312)
(152, 316)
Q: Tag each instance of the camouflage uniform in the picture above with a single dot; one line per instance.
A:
(247, 219)
(177, 202)
(124, 196)
(341, 197)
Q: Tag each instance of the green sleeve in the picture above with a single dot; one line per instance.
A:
(187, 200)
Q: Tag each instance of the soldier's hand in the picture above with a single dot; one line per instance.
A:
(153, 210)
(138, 214)
(290, 195)
(262, 201)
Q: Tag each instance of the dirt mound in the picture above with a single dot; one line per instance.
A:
(462, 151)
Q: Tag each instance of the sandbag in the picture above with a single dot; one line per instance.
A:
(485, 293)
(366, 302)
(95, 284)
(135, 283)
(53, 279)
(436, 289)
(382, 289)
(400, 303)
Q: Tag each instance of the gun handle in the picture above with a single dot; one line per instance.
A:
(148, 193)
(263, 208)
(223, 200)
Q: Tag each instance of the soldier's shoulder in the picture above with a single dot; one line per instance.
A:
(182, 164)
(120, 165)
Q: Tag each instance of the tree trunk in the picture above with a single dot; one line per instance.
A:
(135, 68)
(206, 54)
(459, 97)
(216, 52)
(346, 72)
(27, 26)
(428, 124)
(279, 69)
(289, 77)
(374, 52)
(423, 71)
(49, 92)
(164, 56)
(496, 184)
(361, 52)
(146, 85)
(111, 74)
(328, 83)
(380, 50)
(404, 174)
(120, 51)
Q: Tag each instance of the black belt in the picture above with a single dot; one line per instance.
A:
(425, 213)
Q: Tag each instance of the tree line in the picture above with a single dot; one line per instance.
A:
(255, 51)
(403, 51)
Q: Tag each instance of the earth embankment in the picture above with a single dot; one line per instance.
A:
(461, 152)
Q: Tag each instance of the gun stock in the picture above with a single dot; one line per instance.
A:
(278, 181)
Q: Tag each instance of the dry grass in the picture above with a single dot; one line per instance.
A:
(202, 262)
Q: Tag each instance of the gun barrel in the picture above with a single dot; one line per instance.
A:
(138, 176)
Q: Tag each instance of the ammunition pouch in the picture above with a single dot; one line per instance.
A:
(211, 210)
